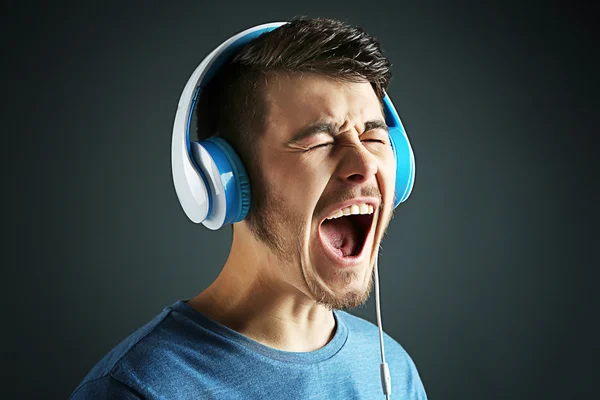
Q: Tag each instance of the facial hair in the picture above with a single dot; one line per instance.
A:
(273, 222)
(281, 228)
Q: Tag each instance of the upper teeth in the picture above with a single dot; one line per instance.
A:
(354, 209)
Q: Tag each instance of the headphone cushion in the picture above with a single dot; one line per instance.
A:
(239, 175)
(404, 164)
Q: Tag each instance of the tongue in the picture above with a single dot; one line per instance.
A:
(341, 236)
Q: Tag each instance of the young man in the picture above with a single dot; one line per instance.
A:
(302, 107)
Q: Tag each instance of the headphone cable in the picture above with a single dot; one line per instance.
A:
(386, 380)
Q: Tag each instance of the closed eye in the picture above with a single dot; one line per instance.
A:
(374, 140)
(319, 145)
(323, 145)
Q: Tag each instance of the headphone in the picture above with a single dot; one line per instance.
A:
(210, 180)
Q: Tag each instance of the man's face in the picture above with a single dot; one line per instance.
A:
(325, 152)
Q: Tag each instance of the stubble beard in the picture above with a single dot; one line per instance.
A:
(277, 226)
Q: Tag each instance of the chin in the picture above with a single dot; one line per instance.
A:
(342, 289)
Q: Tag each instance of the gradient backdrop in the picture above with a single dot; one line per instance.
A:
(488, 271)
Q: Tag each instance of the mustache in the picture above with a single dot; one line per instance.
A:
(366, 191)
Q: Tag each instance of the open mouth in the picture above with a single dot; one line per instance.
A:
(346, 235)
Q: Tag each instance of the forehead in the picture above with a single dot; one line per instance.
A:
(294, 101)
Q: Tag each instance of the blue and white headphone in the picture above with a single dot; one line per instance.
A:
(210, 180)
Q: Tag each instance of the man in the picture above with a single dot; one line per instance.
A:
(302, 107)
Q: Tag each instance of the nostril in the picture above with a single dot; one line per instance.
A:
(357, 178)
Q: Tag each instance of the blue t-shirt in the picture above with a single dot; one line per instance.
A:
(181, 354)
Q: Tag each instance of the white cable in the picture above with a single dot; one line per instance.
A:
(386, 380)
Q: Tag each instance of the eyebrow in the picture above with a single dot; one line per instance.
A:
(331, 129)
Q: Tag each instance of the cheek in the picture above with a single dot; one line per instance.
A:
(296, 182)
(304, 192)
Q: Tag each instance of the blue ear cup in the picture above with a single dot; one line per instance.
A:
(234, 178)
(404, 168)
(405, 160)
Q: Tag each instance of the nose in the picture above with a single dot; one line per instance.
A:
(358, 165)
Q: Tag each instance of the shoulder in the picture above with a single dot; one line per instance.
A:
(101, 377)
(106, 387)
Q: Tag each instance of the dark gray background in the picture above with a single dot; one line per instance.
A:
(488, 271)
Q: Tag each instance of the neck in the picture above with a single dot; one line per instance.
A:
(250, 297)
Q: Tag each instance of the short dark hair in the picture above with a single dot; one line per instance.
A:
(232, 104)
